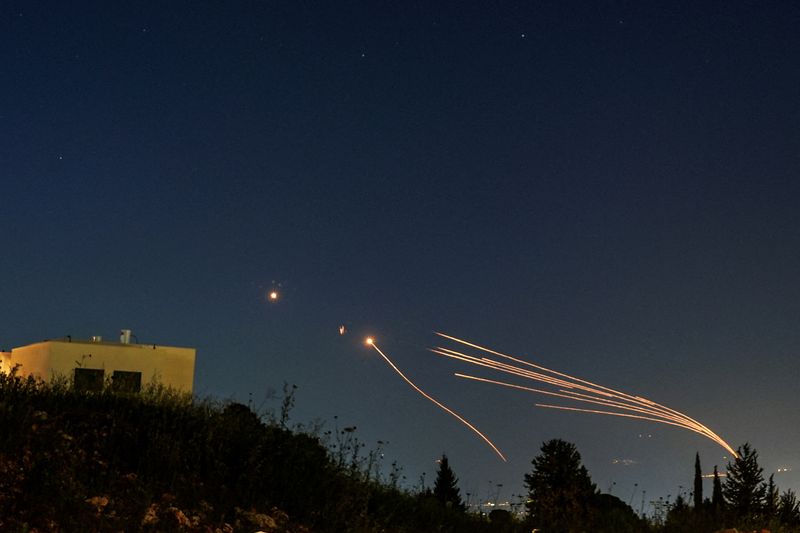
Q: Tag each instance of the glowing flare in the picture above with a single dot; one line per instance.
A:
(371, 342)
(273, 296)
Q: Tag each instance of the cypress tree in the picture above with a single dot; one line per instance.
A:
(698, 484)
(717, 501)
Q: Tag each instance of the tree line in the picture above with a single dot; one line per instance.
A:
(745, 500)
(562, 499)
(161, 461)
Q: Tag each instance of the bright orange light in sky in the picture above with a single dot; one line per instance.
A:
(369, 341)
(273, 295)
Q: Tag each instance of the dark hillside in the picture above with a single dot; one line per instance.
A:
(158, 461)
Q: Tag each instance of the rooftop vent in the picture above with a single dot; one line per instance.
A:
(96, 338)
(125, 336)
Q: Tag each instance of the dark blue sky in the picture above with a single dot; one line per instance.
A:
(607, 189)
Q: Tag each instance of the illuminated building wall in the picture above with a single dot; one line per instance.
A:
(89, 363)
(4, 359)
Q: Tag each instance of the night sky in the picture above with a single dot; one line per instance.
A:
(608, 189)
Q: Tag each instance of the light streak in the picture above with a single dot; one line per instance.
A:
(576, 389)
(626, 415)
(572, 396)
(371, 342)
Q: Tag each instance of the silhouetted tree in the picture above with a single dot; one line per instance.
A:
(500, 519)
(445, 488)
(560, 490)
(698, 484)
(789, 510)
(771, 497)
(680, 517)
(744, 487)
(717, 501)
(609, 514)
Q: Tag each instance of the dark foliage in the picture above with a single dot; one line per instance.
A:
(752, 503)
(771, 497)
(610, 515)
(789, 510)
(159, 461)
(559, 488)
(698, 484)
(563, 499)
(717, 500)
(445, 488)
(744, 488)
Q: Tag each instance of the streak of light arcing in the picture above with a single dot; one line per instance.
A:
(449, 411)
(572, 396)
(626, 415)
(568, 386)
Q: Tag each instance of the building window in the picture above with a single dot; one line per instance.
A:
(123, 381)
(89, 379)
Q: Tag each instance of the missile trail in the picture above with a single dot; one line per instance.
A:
(612, 413)
(449, 411)
(576, 389)
(584, 398)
